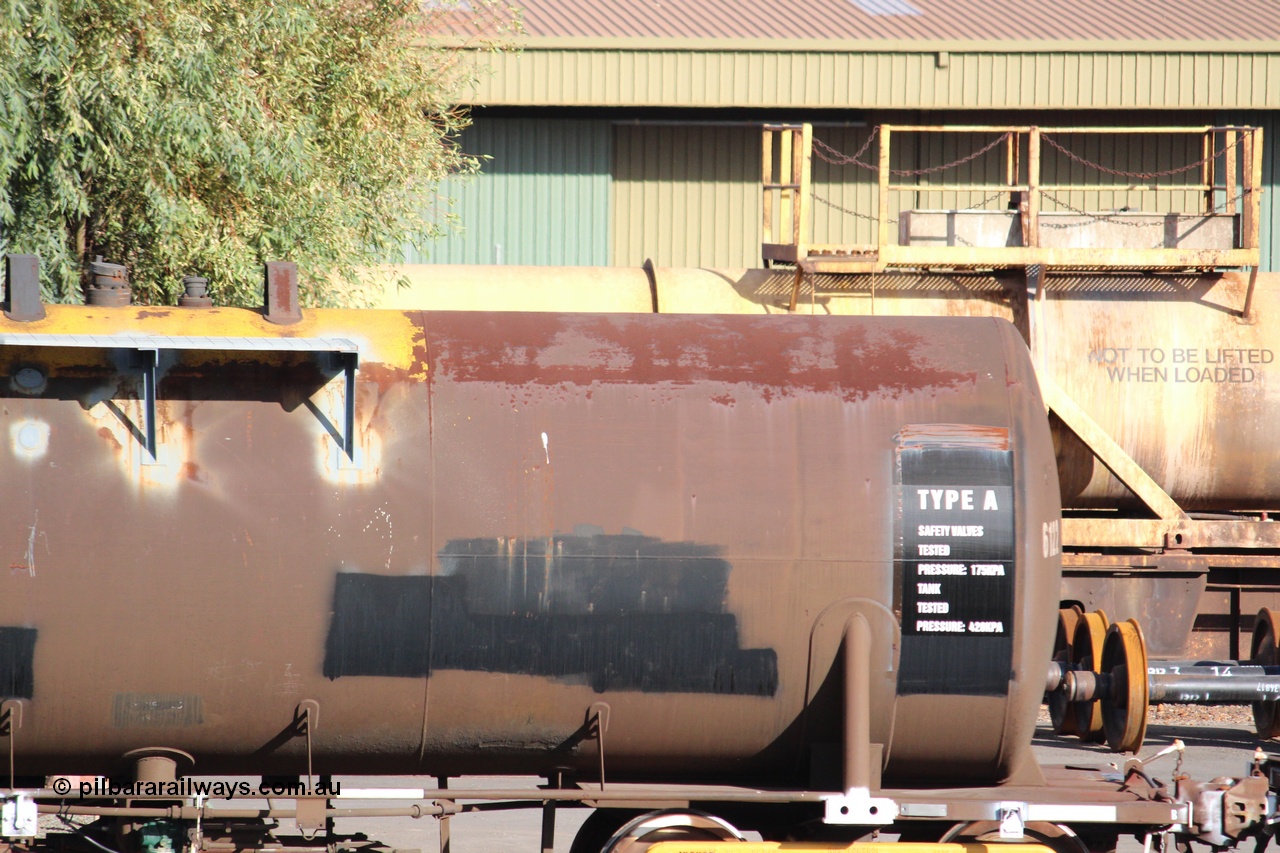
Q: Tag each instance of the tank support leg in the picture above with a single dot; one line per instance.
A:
(445, 841)
(856, 806)
(857, 703)
(10, 722)
(549, 826)
(597, 724)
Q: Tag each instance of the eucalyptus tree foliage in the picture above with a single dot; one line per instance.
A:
(208, 136)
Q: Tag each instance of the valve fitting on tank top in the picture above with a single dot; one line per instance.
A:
(109, 287)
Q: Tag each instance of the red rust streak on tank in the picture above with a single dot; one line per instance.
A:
(421, 352)
(799, 355)
(385, 378)
(972, 435)
(106, 434)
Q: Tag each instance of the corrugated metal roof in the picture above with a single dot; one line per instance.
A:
(895, 20)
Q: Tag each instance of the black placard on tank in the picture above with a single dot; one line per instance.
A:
(954, 561)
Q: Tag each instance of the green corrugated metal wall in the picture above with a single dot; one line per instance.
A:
(541, 198)
(876, 77)
(576, 192)
(687, 195)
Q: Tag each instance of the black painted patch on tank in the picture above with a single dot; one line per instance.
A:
(622, 612)
(955, 562)
(381, 626)
(17, 663)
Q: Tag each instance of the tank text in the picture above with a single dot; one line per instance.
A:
(1182, 365)
(952, 499)
(940, 626)
(954, 569)
(949, 530)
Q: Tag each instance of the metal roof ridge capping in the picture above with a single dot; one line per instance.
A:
(827, 21)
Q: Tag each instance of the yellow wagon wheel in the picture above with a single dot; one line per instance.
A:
(1061, 711)
(1086, 654)
(1265, 651)
(1058, 838)
(1124, 714)
(670, 825)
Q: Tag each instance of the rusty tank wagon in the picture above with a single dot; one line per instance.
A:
(1129, 259)
(786, 571)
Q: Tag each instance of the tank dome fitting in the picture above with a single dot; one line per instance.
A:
(110, 285)
(195, 292)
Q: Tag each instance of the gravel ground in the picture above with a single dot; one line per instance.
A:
(1186, 715)
(1200, 715)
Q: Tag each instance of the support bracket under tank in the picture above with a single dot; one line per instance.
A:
(1110, 453)
(148, 348)
(859, 808)
(10, 722)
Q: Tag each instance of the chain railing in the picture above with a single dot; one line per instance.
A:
(1229, 184)
(1148, 176)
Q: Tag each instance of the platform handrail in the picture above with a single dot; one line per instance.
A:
(1229, 183)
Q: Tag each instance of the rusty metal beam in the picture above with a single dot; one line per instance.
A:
(1246, 312)
(803, 174)
(1021, 256)
(1251, 233)
(1031, 223)
(1110, 453)
(958, 188)
(1129, 130)
(786, 197)
(1206, 170)
(1229, 155)
(1170, 533)
(882, 224)
(839, 265)
(766, 180)
(1066, 258)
